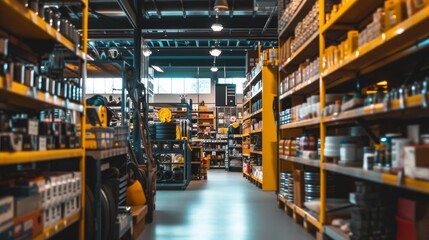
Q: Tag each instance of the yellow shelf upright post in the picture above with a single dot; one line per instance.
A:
(82, 116)
(322, 106)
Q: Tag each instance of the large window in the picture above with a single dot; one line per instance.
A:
(182, 85)
(237, 81)
(103, 86)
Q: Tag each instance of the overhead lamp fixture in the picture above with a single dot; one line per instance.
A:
(147, 52)
(221, 5)
(158, 69)
(215, 52)
(214, 69)
(217, 27)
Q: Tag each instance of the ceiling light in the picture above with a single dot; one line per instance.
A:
(221, 5)
(215, 52)
(158, 69)
(214, 69)
(217, 27)
(147, 52)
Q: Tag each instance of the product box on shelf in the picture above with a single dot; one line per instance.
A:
(395, 12)
(6, 231)
(298, 187)
(414, 6)
(415, 164)
(28, 226)
(7, 206)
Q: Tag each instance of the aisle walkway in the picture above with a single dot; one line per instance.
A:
(222, 208)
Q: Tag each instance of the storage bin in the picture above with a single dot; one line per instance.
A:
(99, 138)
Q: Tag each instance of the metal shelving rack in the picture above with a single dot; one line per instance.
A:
(236, 139)
(406, 39)
(20, 97)
(216, 148)
(185, 149)
(267, 133)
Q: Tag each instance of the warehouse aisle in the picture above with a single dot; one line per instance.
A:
(224, 207)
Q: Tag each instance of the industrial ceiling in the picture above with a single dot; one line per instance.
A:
(178, 31)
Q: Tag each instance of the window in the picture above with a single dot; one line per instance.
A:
(103, 85)
(182, 85)
(237, 81)
(178, 85)
(164, 85)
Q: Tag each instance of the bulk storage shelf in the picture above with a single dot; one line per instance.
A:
(235, 156)
(246, 154)
(378, 177)
(38, 156)
(393, 40)
(255, 95)
(245, 134)
(304, 87)
(257, 112)
(304, 52)
(351, 13)
(106, 153)
(256, 152)
(237, 135)
(335, 233)
(256, 131)
(308, 162)
(62, 224)
(377, 109)
(301, 212)
(257, 75)
(298, 15)
(18, 94)
(303, 123)
(31, 26)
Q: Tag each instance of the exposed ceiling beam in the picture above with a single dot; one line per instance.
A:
(254, 9)
(168, 43)
(176, 43)
(158, 13)
(269, 19)
(197, 43)
(231, 11)
(129, 12)
(238, 43)
(210, 8)
(183, 9)
(180, 23)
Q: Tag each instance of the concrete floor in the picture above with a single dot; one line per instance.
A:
(226, 206)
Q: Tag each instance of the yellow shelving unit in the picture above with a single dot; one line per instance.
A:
(31, 26)
(7, 158)
(268, 135)
(406, 38)
(31, 97)
(62, 224)
(22, 26)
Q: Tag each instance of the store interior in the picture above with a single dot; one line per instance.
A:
(214, 119)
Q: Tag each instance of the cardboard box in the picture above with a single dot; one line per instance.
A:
(139, 213)
(410, 230)
(416, 164)
(138, 229)
(395, 12)
(7, 206)
(28, 226)
(298, 187)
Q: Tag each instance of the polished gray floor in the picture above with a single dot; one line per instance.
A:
(225, 207)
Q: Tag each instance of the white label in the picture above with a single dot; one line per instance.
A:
(28, 225)
(33, 127)
(42, 143)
